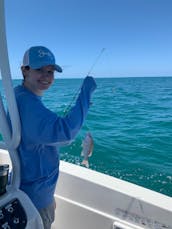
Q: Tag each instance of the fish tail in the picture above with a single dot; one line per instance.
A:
(85, 163)
(90, 153)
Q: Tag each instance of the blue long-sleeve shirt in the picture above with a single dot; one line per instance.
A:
(41, 130)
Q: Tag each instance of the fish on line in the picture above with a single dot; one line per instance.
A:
(87, 149)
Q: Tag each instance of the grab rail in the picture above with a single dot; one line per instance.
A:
(11, 136)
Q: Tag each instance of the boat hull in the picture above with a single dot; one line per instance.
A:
(89, 199)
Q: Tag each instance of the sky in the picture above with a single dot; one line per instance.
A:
(136, 35)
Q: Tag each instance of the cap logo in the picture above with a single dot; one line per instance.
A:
(43, 53)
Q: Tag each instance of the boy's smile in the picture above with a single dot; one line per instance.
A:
(38, 80)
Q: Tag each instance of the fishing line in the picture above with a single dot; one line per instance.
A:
(77, 92)
(95, 62)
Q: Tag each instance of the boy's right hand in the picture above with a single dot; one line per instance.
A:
(89, 83)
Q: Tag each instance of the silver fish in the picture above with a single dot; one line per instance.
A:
(87, 149)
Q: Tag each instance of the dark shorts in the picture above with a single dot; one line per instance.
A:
(47, 214)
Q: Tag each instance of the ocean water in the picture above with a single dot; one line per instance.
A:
(130, 120)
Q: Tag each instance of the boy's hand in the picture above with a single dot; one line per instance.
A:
(89, 83)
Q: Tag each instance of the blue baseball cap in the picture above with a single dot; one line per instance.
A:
(40, 56)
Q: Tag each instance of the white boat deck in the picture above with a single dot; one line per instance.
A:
(88, 199)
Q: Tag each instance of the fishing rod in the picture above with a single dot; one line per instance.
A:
(77, 92)
(95, 62)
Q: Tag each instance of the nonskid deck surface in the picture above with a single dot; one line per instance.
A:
(88, 199)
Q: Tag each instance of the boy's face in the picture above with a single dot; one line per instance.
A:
(38, 80)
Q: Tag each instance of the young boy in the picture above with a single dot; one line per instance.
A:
(42, 129)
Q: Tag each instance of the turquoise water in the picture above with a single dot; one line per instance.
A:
(131, 122)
